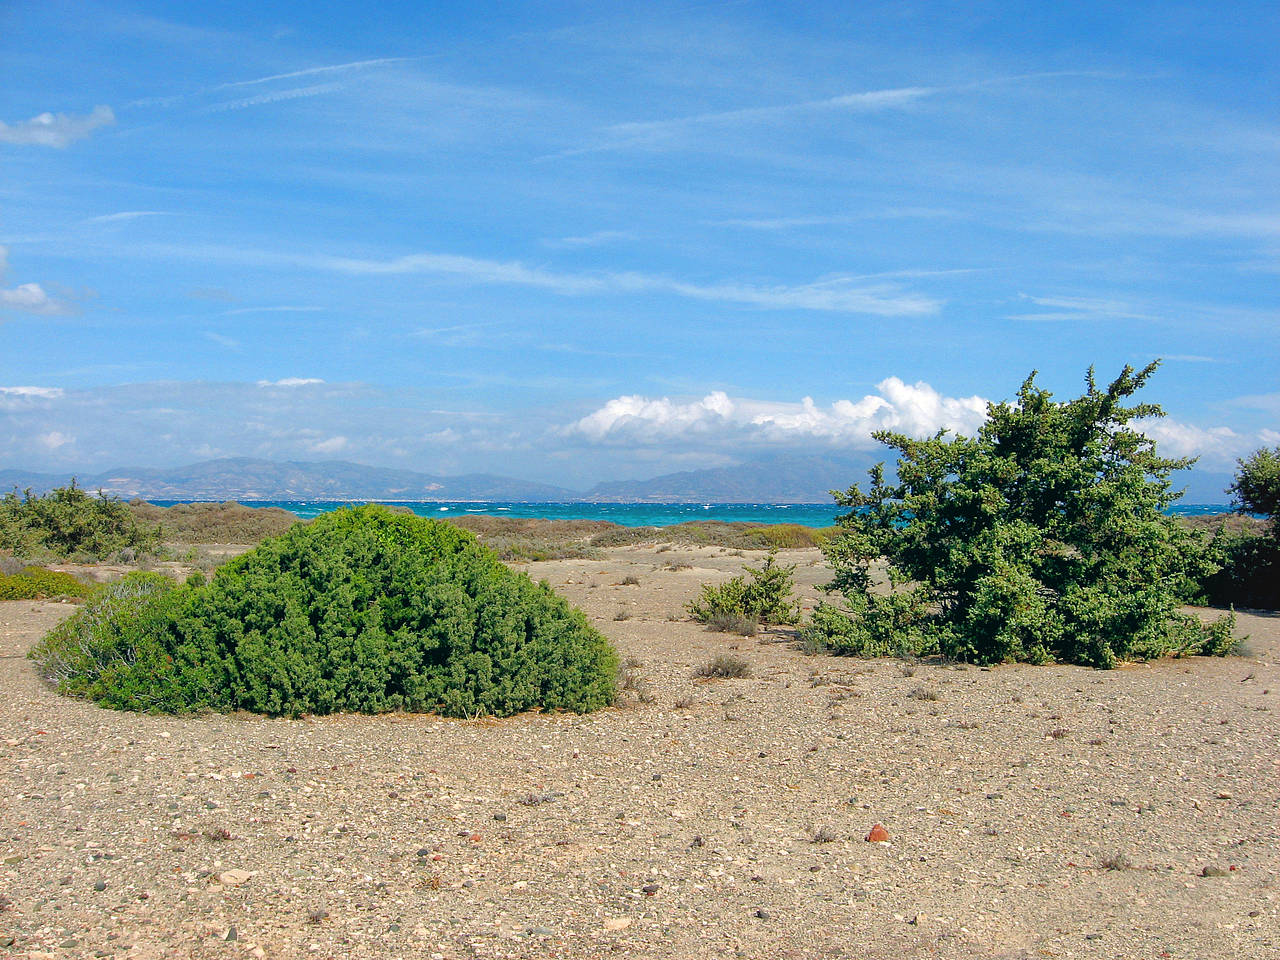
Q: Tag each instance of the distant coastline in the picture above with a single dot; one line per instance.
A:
(637, 514)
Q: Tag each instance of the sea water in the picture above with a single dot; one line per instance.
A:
(624, 514)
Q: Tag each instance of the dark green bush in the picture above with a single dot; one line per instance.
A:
(765, 598)
(361, 610)
(68, 522)
(1250, 557)
(1042, 538)
(37, 583)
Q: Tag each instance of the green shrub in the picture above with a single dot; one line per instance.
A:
(228, 522)
(1042, 538)
(361, 610)
(1250, 556)
(67, 522)
(97, 651)
(765, 598)
(37, 583)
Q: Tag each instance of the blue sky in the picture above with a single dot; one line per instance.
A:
(585, 241)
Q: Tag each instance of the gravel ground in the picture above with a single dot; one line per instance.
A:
(1030, 811)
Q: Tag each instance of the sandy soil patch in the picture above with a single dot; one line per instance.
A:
(1031, 811)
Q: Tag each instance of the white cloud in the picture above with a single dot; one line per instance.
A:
(290, 382)
(4, 261)
(56, 129)
(915, 409)
(54, 439)
(332, 445)
(1175, 439)
(31, 298)
(40, 393)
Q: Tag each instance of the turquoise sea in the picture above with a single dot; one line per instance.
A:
(625, 514)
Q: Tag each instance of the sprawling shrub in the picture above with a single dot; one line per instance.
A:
(765, 598)
(38, 583)
(1042, 538)
(361, 610)
(68, 522)
(228, 522)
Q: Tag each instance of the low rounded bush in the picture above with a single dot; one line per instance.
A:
(362, 610)
(765, 598)
(38, 583)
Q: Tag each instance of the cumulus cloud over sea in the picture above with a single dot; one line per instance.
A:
(917, 409)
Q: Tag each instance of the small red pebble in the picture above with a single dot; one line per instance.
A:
(878, 834)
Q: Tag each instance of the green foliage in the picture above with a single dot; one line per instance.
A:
(37, 583)
(1250, 560)
(361, 610)
(1042, 538)
(68, 522)
(1256, 487)
(97, 652)
(765, 598)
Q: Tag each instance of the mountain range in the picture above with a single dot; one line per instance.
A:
(778, 479)
(772, 480)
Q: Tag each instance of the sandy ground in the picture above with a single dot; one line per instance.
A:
(1031, 811)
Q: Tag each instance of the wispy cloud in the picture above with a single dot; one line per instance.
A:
(127, 215)
(836, 220)
(837, 295)
(35, 393)
(315, 71)
(291, 382)
(274, 96)
(221, 340)
(283, 309)
(56, 129)
(655, 132)
(596, 239)
(1080, 308)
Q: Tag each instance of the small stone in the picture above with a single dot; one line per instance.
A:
(763, 914)
(1223, 795)
(424, 852)
(500, 817)
(541, 932)
(614, 924)
(232, 934)
(649, 889)
(100, 885)
(1213, 872)
(316, 916)
(878, 834)
(698, 841)
(234, 877)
